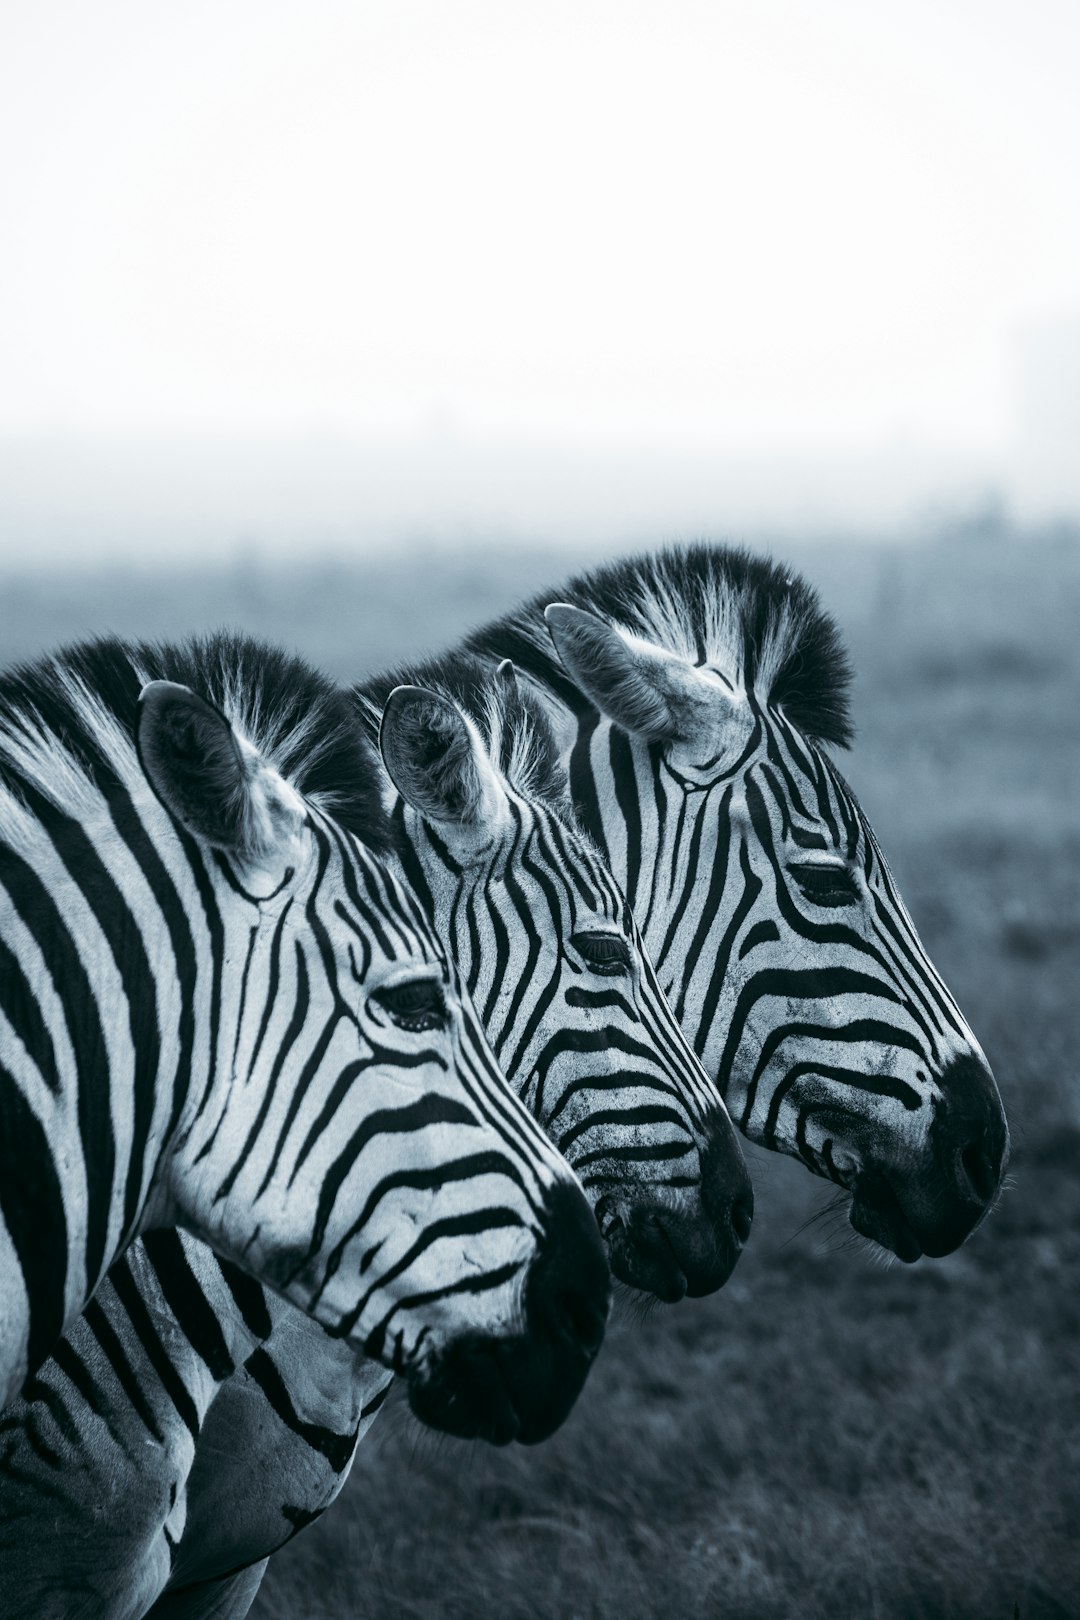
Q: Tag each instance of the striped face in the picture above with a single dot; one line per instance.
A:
(358, 1149)
(780, 937)
(233, 1018)
(556, 967)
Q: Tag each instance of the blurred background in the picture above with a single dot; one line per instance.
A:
(283, 277)
(351, 323)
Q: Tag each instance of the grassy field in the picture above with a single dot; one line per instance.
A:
(828, 1436)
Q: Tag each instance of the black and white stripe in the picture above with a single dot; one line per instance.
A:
(552, 957)
(695, 693)
(209, 1018)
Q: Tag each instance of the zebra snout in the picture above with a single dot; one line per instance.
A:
(673, 1243)
(931, 1205)
(727, 1193)
(520, 1385)
(674, 1240)
(981, 1165)
(567, 1297)
(742, 1216)
(973, 1125)
(970, 1144)
(568, 1287)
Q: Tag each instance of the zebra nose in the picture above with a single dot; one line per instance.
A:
(726, 1188)
(982, 1168)
(568, 1289)
(673, 1244)
(742, 1215)
(941, 1201)
(730, 1214)
(578, 1320)
(970, 1134)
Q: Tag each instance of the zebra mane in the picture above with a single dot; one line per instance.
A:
(759, 622)
(512, 722)
(67, 724)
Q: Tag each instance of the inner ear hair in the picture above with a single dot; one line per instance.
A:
(191, 757)
(643, 689)
(429, 753)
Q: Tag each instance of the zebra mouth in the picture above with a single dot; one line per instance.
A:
(641, 1253)
(467, 1395)
(877, 1214)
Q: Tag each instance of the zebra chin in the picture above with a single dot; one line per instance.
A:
(679, 1241)
(895, 1222)
(659, 1249)
(522, 1386)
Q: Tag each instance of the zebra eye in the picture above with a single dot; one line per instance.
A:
(417, 1005)
(608, 953)
(826, 885)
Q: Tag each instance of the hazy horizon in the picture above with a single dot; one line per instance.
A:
(295, 276)
(161, 502)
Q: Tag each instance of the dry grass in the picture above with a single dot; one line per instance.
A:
(828, 1436)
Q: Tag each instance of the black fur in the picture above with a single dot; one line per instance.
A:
(304, 724)
(811, 685)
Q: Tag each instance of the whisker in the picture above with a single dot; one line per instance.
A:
(836, 1204)
(631, 1305)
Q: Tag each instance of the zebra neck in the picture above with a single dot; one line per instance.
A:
(604, 799)
(103, 1047)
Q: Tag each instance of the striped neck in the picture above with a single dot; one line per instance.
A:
(114, 1018)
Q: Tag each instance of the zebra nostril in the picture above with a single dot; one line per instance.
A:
(580, 1322)
(980, 1170)
(742, 1216)
(608, 1219)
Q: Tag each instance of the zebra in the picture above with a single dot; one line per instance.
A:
(551, 957)
(220, 1008)
(696, 693)
(584, 1031)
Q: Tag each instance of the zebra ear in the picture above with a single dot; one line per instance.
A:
(434, 757)
(216, 785)
(645, 689)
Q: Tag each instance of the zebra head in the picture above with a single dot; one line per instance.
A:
(555, 964)
(356, 1146)
(774, 923)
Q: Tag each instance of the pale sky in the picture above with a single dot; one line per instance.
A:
(735, 225)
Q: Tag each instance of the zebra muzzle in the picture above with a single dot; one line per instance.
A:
(669, 1246)
(521, 1385)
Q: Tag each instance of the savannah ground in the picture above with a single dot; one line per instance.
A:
(830, 1436)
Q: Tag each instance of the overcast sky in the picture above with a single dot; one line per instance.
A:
(704, 226)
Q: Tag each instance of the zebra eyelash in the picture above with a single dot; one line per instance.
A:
(824, 883)
(605, 953)
(416, 1005)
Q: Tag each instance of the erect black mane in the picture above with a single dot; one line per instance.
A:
(705, 602)
(299, 720)
(511, 720)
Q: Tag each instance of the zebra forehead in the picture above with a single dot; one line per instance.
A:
(758, 622)
(71, 716)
